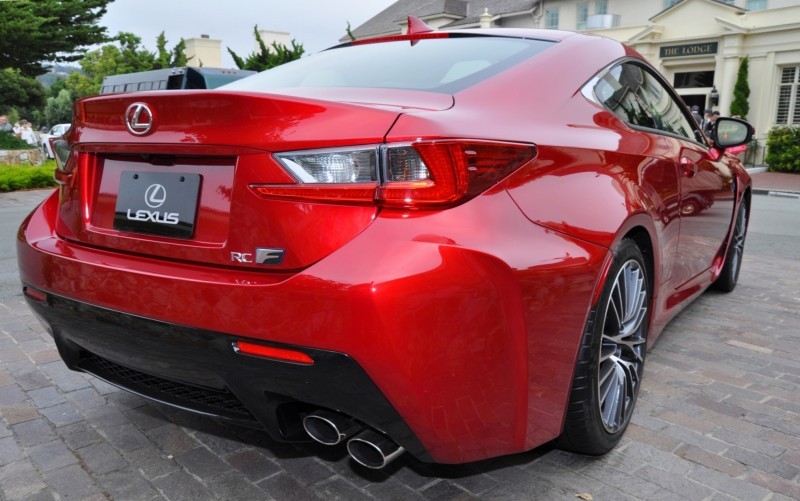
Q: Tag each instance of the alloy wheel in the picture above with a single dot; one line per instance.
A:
(622, 346)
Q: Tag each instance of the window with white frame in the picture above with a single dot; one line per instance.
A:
(756, 4)
(551, 18)
(788, 112)
(670, 3)
(601, 6)
(729, 2)
(583, 15)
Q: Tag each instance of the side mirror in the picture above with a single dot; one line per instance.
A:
(729, 132)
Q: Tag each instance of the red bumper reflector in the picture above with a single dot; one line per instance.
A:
(35, 294)
(259, 350)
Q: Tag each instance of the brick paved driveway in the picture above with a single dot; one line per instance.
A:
(718, 418)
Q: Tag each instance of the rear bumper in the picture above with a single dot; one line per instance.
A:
(198, 370)
(455, 333)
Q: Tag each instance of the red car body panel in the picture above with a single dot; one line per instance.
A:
(467, 319)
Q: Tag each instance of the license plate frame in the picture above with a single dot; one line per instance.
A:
(157, 203)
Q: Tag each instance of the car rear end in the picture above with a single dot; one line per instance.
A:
(264, 256)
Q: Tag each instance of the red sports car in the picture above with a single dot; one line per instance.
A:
(455, 244)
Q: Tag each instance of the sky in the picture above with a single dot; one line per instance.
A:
(317, 24)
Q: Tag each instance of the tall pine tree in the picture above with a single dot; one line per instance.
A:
(267, 57)
(741, 91)
(33, 32)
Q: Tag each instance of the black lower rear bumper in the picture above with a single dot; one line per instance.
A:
(199, 371)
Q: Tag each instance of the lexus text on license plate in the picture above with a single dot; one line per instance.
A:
(158, 203)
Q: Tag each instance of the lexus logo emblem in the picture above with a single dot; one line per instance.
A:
(138, 119)
(155, 196)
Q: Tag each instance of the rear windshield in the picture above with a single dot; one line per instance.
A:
(445, 65)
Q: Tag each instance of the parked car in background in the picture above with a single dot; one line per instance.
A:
(455, 244)
(55, 131)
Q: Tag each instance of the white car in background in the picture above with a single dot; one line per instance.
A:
(55, 131)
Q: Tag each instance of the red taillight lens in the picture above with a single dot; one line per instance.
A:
(457, 171)
(418, 175)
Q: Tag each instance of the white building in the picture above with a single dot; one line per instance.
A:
(697, 44)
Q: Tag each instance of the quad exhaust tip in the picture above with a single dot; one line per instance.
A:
(373, 450)
(367, 447)
(330, 428)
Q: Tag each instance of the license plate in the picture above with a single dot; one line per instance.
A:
(158, 203)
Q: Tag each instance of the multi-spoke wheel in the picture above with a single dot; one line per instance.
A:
(729, 275)
(611, 360)
(622, 347)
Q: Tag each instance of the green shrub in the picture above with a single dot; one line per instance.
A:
(783, 149)
(22, 177)
(12, 142)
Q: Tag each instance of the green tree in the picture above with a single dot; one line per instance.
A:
(58, 109)
(741, 91)
(34, 32)
(267, 58)
(127, 56)
(166, 58)
(20, 92)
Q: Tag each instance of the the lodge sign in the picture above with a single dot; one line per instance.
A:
(693, 49)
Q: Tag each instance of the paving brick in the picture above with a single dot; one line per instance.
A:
(79, 435)
(446, 490)
(12, 394)
(151, 462)
(201, 462)
(254, 465)
(19, 412)
(72, 482)
(762, 462)
(179, 485)
(339, 489)
(233, 485)
(51, 455)
(788, 488)
(697, 425)
(391, 489)
(32, 381)
(32, 432)
(734, 487)
(46, 397)
(62, 414)
(128, 484)
(282, 486)
(20, 480)
(171, 439)
(101, 458)
(10, 451)
(677, 484)
(646, 436)
(714, 461)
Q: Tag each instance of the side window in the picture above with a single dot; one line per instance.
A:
(634, 94)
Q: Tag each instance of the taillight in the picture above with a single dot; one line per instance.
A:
(61, 152)
(419, 175)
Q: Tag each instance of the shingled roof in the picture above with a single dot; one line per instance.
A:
(463, 13)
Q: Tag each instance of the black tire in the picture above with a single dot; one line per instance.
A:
(600, 407)
(729, 276)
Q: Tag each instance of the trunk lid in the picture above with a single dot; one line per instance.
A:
(181, 191)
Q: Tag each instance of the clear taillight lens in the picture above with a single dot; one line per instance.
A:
(419, 175)
(334, 166)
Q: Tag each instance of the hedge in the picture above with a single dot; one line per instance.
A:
(23, 177)
(783, 149)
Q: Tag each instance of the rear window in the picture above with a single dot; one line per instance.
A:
(435, 65)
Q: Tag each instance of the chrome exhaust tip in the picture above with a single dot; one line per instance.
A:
(330, 428)
(373, 450)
